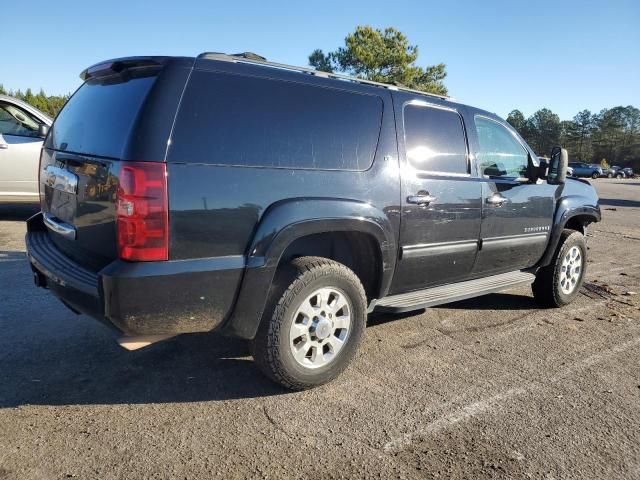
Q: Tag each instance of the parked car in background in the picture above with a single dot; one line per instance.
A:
(585, 170)
(22, 129)
(628, 172)
(598, 166)
(616, 172)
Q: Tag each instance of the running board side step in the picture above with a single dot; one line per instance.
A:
(406, 302)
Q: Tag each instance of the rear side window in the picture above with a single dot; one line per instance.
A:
(500, 154)
(434, 139)
(245, 121)
(99, 117)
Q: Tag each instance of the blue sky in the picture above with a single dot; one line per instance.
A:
(500, 55)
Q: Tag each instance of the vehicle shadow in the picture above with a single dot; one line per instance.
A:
(50, 356)
(90, 371)
(18, 211)
(619, 202)
(88, 368)
(494, 301)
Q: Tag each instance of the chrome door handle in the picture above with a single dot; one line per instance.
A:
(421, 199)
(3, 146)
(64, 229)
(496, 199)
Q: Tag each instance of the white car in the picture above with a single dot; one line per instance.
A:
(22, 130)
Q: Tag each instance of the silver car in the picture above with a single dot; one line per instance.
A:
(22, 130)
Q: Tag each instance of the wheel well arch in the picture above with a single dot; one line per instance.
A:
(281, 233)
(569, 221)
(578, 223)
(357, 250)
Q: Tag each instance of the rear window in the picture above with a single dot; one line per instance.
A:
(246, 121)
(99, 117)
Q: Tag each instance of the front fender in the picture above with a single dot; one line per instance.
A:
(568, 207)
(289, 220)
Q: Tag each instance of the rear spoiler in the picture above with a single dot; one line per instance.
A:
(119, 65)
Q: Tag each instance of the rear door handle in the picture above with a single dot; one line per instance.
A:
(496, 199)
(422, 198)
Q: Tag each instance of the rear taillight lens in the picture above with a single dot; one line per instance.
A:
(143, 214)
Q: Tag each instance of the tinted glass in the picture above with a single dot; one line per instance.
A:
(99, 117)
(16, 121)
(434, 139)
(236, 120)
(500, 154)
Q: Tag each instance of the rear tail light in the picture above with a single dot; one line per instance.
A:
(143, 213)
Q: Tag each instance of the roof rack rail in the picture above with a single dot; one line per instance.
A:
(254, 59)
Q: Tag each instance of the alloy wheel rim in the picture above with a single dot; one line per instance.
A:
(320, 327)
(571, 270)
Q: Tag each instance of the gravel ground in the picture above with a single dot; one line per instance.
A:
(485, 388)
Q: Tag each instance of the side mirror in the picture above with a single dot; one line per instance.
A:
(43, 129)
(558, 166)
(542, 168)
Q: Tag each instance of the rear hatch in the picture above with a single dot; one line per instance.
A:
(122, 113)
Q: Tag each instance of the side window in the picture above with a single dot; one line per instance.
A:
(239, 120)
(434, 139)
(16, 121)
(500, 155)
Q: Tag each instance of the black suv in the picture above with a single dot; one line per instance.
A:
(281, 205)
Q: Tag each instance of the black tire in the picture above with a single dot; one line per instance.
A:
(619, 176)
(609, 175)
(546, 288)
(595, 175)
(294, 284)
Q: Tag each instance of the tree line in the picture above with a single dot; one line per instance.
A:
(611, 136)
(49, 104)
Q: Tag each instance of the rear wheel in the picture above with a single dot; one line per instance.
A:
(313, 325)
(557, 284)
(619, 175)
(609, 175)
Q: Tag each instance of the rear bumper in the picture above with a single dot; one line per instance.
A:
(145, 298)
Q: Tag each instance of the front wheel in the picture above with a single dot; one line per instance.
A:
(313, 325)
(558, 283)
(619, 176)
(595, 175)
(609, 175)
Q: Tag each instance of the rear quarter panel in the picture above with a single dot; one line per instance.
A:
(216, 211)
